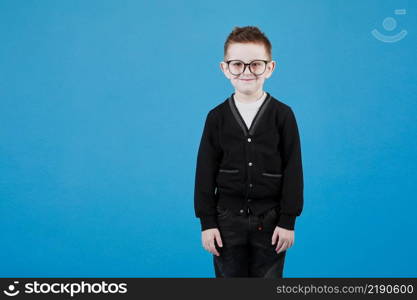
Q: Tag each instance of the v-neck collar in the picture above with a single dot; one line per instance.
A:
(239, 118)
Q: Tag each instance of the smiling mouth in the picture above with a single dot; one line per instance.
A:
(247, 79)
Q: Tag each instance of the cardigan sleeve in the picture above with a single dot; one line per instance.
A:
(292, 180)
(207, 165)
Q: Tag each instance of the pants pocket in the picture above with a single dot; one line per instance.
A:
(269, 219)
(222, 212)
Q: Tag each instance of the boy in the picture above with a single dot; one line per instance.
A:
(249, 178)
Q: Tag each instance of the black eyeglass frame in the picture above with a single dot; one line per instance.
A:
(247, 65)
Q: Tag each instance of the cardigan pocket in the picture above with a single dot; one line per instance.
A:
(272, 175)
(229, 181)
(268, 184)
(228, 170)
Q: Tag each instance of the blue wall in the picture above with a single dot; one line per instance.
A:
(102, 105)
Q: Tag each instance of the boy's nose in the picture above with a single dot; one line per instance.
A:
(247, 71)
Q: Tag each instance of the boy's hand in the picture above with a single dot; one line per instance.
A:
(285, 239)
(208, 238)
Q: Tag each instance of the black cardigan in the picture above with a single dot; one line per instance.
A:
(254, 168)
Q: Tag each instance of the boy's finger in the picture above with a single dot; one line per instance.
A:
(279, 244)
(219, 240)
(213, 248)
(280, 248)
(283, 248)
(274, 237)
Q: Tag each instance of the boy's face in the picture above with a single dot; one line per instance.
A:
(247, 82)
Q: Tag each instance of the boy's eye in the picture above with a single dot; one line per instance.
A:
(236, 64)
(255, 64)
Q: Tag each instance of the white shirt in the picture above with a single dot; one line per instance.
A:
(249, 110)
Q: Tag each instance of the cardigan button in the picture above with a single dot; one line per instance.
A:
(250, 164)
(249, 200)
(241, 211)
(250, 185)
(249, 140)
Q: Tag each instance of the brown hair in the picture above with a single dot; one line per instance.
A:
(248, 34)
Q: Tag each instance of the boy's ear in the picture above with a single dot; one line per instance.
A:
(271, 68)
(223, 67)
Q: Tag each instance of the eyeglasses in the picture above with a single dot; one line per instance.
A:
(256, 67)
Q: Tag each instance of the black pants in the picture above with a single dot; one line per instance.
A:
(247, 250)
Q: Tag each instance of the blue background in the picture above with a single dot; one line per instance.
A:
(102, 106)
